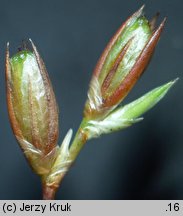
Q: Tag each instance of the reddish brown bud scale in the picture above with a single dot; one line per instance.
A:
(34, 126)
(14, 123)
(51, 102)
(31, 101)
(112, 41)
(110, 75)
(121, 64)
(137, 69)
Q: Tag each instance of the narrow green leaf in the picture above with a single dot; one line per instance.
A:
(129, 114)
(138, 107)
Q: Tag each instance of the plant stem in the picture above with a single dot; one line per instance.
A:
(80, 139)
(48, 192)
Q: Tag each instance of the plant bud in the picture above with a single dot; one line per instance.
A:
(32, 107)
(121, 64)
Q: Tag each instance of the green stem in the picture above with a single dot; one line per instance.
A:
(80, 139)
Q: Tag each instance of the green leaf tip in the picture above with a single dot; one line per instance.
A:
(138, 107)
(129, 114)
